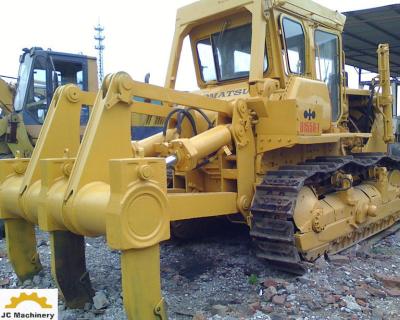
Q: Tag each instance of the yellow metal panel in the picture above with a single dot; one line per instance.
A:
(6, 97)
(330, 137)
(357, 92)
(281, 120)
(141, 284)
(150, 109)
(93, 85)
(206, 9)
(308, 8)
(170, 96)
(194, 205)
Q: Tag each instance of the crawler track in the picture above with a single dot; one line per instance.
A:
(273, 228)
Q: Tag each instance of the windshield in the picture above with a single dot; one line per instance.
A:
(327, 65)
(225, 55)
(22, 84)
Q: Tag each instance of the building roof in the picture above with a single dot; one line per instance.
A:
(365, 30)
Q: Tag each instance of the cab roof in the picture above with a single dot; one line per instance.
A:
(207, 9)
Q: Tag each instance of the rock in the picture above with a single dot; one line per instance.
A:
(61, 306)
(204, 277)
(279, 300)
(87, 306)
(391, 282)
(282, 291)
(277, 316)
(268, 309)
(255, 306)
(393, 292)
(376, 292)
(377, 314)
(270, 283)
(219, 309)
(288, 305)
(42, 243)
(362, 303)
(338, 259)
(4, 282)
(46, 283)
(290, 288)
(291, 297)
(178, 279)
(306, 280)
(291, 311)
(269, 293)
(313, 305)
(369, 280)
(352, 304)
(100, 300)
(321, 263)
(260, 316)
(345, 289)
(36, 280)
(360, 294)
(27, 283)
(199, 316)
(330, 299)
(97, 312)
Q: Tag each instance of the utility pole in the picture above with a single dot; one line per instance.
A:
(99, 37)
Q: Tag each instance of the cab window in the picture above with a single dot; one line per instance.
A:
(327, 66)
(226, 55)
(206, 56)
(72, 72)
(295, 45)
(37, 95)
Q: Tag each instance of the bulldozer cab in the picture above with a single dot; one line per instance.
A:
(238, 45)
(40, 73)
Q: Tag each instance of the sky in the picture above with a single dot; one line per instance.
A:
(138, 33)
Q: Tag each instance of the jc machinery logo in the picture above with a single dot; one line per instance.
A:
(29, 304)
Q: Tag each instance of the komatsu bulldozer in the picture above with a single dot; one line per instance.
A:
(273, 139)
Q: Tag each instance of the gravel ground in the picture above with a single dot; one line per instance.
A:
(220, 278)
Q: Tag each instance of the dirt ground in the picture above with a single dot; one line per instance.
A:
(219, 278)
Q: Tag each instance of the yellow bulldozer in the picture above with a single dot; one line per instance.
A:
(273, 139)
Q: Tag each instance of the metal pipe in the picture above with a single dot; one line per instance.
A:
(147, 145)
(93, 200)
(171, 160)
(190, 151)
(211, 140)
(9, 197)
(385, 98)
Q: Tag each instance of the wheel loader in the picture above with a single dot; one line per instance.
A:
(23, 111)
(272, 139)
(6, 96)
(40, 73)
